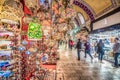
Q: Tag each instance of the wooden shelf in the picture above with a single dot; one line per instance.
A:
(5, 49)
(7, 30)
(5, 39)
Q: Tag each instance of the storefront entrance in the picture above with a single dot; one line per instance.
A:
(107, 35)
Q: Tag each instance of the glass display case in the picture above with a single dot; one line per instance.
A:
(107, 35)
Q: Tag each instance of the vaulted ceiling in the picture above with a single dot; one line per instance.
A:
(98, 5)
(90, 9)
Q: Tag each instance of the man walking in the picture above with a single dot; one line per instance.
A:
(79, 48)
(100, 50)
(116, 51)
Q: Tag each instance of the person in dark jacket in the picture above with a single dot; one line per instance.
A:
(87, 50)
(69, 44)
(79, 48)
(100, 50)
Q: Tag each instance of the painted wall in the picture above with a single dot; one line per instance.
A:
(108, 21)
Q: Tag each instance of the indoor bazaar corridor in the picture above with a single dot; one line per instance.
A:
(69, 68)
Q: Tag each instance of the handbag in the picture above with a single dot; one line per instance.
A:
(96, 55)
(111, 54)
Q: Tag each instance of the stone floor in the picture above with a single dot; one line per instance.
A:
(69, 68)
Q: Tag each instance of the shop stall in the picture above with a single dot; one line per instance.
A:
(107, 35)
(8, 36)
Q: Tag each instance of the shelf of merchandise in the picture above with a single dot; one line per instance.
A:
(5, 39)
(5, 63)
(5, 49)
(13, 61)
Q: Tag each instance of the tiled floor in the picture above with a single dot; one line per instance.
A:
(69, 68)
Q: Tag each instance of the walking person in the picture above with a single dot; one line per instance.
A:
(116, 51)
(79, 48)
(100, 50)
(87, 50)
(71, 44)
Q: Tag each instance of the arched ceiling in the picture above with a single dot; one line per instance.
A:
(98, 5)
(95, 7)
(79, 10)
(90, 9)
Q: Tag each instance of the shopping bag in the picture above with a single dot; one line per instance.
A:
(95, 55)
(111, 54)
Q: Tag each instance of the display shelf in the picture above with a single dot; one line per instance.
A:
(5, 74)
(8, 38)
(5, 39)
(10, 29)
(5, 49)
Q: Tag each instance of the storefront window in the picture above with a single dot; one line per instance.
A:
(107, 35)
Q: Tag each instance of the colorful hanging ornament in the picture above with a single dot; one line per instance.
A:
(28, 52)
(21, 48)
(33, 49)
(24, 42)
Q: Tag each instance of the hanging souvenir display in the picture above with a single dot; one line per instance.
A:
(28, 52)
(34, 31)
(24, 42)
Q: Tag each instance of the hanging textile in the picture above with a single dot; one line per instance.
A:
(25, 8)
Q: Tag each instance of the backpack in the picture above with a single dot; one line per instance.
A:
(100, 48)
(79, 45)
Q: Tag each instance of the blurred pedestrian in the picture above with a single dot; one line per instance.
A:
(100, 50)
(116, 51)
(79, 48)
(71, 44)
